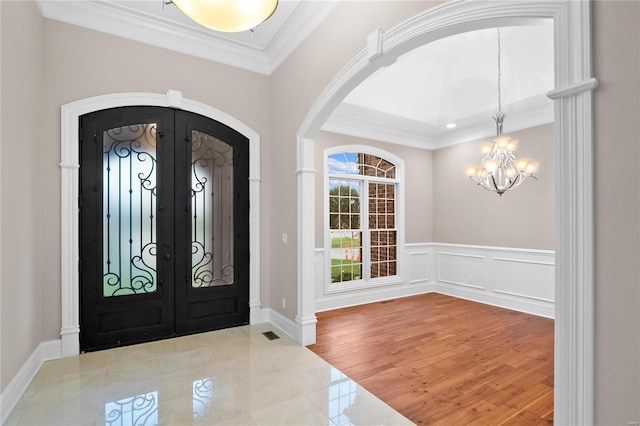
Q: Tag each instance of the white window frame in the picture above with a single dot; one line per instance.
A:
(366, 281)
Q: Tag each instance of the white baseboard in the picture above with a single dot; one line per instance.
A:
(45, 351)
(284, 324)
(344, 300)
(528, 306)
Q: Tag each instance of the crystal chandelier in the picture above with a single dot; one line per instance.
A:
(227, 15)
(500, 170)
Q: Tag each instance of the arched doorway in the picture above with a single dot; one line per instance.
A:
(70, 114)
(573, 153)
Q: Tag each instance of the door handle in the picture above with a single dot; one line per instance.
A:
(167, 256)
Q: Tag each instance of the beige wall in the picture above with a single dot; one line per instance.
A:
(617, 211)
(464, 213)
(418, 184)
(78, 64)
(295, 86)
(22, 275)
(81, 63)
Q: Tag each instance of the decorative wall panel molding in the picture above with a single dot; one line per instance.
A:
(511, 278)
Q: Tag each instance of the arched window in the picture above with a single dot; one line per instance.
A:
(361, 216)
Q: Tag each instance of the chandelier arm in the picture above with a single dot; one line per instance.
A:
(495, 185)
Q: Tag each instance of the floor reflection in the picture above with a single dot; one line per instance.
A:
(202, 397)
(234, 376)
(342, 394)
(138, 410)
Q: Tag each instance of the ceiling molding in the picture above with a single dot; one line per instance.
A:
(486, 128)
(134, 25)
(365, 123)
(370, 124)
(304, 19)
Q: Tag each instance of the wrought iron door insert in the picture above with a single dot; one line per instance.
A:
(164, 225)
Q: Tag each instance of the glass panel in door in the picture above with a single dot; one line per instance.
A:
(129, 203)
(211, 211)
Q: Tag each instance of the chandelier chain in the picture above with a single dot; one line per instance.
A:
(499, 76)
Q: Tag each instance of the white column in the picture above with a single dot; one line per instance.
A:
(306, 316)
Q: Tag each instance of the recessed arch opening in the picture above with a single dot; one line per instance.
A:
(573, 153)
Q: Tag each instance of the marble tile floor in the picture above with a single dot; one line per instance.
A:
(227, 377)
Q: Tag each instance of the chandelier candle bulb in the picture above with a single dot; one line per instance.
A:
(502, 142)
(521, 164)
(486, 148)
(491, 166)
(532, 167)
(512, 145)
(472, 171)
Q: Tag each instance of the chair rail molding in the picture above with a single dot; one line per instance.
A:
(574, 170)
(69, 175)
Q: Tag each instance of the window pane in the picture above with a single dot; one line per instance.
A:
(344, 215)
(344, 197)
(381, 206)
(383, 253)
(334, 221)
(212, 211)
(361, 164)
(129, 210)
(346, 256)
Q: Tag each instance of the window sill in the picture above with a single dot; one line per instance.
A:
(363, 284)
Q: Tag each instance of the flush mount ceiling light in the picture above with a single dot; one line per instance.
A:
(228, 16)
(500, 170)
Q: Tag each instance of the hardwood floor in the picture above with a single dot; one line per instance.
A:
(439, 360)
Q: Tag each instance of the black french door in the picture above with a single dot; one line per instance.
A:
(164, 226)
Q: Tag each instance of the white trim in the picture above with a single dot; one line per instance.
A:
(304, 19)
(573, 162)
(283, 323)
(427, 275)
(511, 293)
(574, 89)
(18, 385)
(369, 124)
(70, 114)
(527, 305)
(376, 295)
(124, 22)
(534, 262)
(366, 281)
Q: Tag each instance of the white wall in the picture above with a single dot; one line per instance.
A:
(517, 279)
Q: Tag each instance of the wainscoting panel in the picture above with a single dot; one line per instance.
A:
(518, 279)
(461, 269)
(419, 266)
(525, 278)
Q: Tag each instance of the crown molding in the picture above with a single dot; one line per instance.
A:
(369, 124)
(124, 22)
(484, 127)
(304, 19)
(366, 126)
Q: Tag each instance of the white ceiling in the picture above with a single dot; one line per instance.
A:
(454, 80)
(409, 102)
